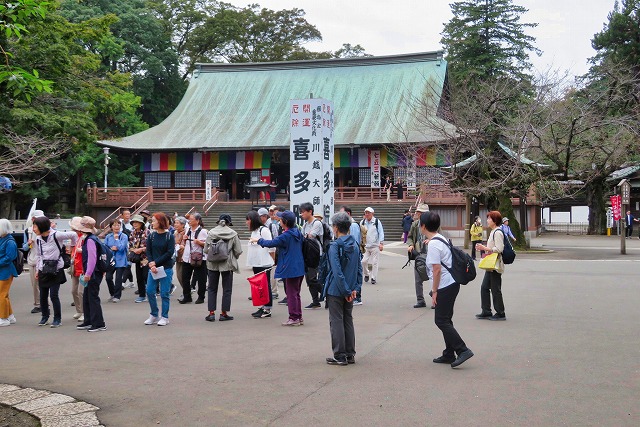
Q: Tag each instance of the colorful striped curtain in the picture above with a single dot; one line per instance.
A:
(194, 161)
(360, 158)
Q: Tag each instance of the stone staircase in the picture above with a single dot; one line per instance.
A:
(389, 213)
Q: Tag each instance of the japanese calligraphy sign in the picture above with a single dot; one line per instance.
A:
(376, 179)
(411, 172)
(616, 204)
(311, 162)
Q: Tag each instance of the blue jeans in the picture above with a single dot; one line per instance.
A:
(165, 289)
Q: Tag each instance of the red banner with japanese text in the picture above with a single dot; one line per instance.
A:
(616, 205)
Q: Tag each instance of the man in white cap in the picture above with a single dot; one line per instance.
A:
(32, 258)
(416, 242)
(374, 245)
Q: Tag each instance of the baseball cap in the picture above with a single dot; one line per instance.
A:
(286, 215)
(37, 214)
(505, 219)
(369, 209)
(273, 207)
(263, 211)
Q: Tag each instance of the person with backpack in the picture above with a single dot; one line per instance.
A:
(312, 229)
(407, 220)
(92, 278)
(374, 244)
(75, 270)
(224, 267)
(8, 255)
(342, 283)
(290, 265)
(194, 267)
(50, 274)
(259, 258)
(492, 283)
(160, 247)
(444, 290)
(118, 241)
(418, 245)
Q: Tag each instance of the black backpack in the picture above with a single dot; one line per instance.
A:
(18, 263)
(463, 270)
(106, 261)
(326, 236)
(311, 252)
(508, 254)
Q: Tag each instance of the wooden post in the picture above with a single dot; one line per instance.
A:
(467, 223)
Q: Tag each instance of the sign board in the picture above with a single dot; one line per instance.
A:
(411, 172)
(312, 151)
(609, 218)
(616, 206)
(376, 179)
(207, 189)
(625, 189)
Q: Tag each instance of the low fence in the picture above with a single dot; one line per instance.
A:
(566, 227)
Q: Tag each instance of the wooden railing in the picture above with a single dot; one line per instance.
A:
(135, 208)
(209, 203)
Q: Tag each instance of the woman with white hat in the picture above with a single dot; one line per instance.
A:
(138, 255)
(93, 320)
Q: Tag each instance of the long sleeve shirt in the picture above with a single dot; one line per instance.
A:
(48, 250)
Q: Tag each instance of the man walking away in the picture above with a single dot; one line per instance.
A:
(444, 290)
(374, 245)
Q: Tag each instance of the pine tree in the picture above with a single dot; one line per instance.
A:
(485, 39)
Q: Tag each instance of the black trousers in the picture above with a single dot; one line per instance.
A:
(192, 276)
(492, 287)
(629, 231)
(128, 274)
(343, 335)
(315, 287)
(115, 289)
(227, 285)
(443, 319)
(52, 291)
(141, 275)
(91, 302)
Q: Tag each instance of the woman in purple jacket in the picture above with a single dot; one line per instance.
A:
(290, 264)
(93, 320)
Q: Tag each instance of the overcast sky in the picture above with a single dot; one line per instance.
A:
(387, 27)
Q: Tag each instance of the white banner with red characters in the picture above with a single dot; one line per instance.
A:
(376, 179)
(311, 161)
(616, 205)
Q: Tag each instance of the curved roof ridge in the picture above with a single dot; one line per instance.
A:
(359, 61)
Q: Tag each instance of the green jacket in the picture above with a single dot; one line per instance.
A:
(413, 238)
(235, 249)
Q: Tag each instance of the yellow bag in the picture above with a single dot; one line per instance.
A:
(489, 262)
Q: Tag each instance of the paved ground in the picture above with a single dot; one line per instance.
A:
(567, 355)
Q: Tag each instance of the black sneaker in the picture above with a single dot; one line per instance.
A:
(210, 318)
(498, 317)
(366, 278)
(98, 329)
(443, 359)
(462, 357)
(265, 314)
(351, 360)
(373, 281)
(35, 310)
(334, 361)
(224, 317)
(283, 301)
(258, 313)
(83, 326)
(313, 306)
(483, 315)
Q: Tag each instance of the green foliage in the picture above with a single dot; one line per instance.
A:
(485, 39)
(620, 39)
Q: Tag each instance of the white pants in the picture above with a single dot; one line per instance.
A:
(370, 257)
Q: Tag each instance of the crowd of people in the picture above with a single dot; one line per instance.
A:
(156, 246)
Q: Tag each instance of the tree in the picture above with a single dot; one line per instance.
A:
(485, 39)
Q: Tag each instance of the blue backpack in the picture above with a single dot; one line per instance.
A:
(106, 262)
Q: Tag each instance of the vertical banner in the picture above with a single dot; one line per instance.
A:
(411, 172)
(616, 204)
(328, 171)
(311, 160)
(375, 169)
(207, 189)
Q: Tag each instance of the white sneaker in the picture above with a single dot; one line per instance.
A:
(4, 322)
(163, 321)
(151, 320)
(12, 319)
(115, 300)
(77, 316)
(81, 318)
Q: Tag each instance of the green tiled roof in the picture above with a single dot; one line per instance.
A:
(246, 106)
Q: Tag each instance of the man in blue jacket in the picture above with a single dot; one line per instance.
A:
(342, 284)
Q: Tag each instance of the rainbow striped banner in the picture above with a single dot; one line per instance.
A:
(360, 158)
(210, 160)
